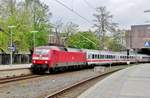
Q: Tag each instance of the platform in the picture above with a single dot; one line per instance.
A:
(14, 66)
(132, 82)
(14, 70)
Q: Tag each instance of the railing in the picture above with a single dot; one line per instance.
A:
(17, 58)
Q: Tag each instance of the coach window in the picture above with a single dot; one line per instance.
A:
(92, 56)
(107, 56)
(89, 56)
(111, 57)
(98, 56)
(103, 56)
(95, 56)
(114, 57)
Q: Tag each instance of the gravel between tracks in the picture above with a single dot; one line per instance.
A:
(39, 87)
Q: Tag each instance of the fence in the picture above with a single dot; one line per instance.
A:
(17, 58)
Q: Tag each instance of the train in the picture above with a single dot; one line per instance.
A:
(53, 58)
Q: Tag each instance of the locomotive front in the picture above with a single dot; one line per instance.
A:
(40, 59)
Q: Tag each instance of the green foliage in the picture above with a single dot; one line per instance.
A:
(86, 40)
(114, 45)
(27, 16)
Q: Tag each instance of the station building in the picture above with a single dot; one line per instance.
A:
(138, 38)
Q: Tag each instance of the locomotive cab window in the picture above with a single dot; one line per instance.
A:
(41, 51)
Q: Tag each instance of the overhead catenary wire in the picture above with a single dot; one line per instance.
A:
(89, 5)
(73, 11)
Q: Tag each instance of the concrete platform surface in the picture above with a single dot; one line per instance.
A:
(14, 70)
(14, 66)
(132, 82)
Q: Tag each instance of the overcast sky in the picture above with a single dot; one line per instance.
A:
(125, 12)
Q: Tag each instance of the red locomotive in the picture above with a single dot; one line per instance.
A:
(50, 58)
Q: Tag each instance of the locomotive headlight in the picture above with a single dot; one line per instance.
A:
(34, 61)
(46, 62)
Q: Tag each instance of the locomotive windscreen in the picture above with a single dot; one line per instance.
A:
(41, 51)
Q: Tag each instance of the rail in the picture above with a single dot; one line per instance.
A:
(57, 93)
(18, 78)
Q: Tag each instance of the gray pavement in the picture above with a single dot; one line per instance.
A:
(14, 70)
(14, 66)
(132, 82)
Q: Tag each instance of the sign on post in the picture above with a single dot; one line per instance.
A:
(147, 44)
(12, 48)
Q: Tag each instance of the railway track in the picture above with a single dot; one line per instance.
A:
(17, 78)
(59, 93)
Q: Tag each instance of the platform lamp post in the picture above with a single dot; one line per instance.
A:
(147, 11)
(33, 37)
(11, 43)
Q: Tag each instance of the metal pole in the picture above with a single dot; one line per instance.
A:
(34, 38)
(11, 46)
(11, 42)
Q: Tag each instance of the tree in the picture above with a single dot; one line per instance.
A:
(69, 29)
(86, 40)
(103, 23)
(114, 45)
(58, 25)
(40, 19)
(26, 15)
(116, 41)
